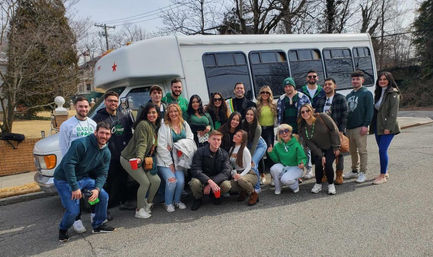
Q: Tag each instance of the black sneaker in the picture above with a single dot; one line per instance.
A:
(63, 235)
(196, 203)
(103, 229)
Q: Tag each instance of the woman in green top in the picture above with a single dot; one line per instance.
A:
(199, 121)
(217, 110)
(142, 144)
(289, 158)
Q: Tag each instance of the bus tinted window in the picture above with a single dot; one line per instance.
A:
(362, 59)
(338, 63)
(271, 70)
(138, 96)
(303, 60)
(230, 67)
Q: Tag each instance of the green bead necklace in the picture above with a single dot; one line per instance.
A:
(312, 131)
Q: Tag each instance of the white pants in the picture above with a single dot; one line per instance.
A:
(289, 178)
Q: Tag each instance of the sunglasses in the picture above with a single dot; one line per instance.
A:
(306, 111)
(284, 131)
(312, 77)
(217, 99)
(265, 92)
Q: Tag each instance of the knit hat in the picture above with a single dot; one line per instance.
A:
(289, 81)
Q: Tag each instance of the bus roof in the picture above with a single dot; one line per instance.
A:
(157, 59)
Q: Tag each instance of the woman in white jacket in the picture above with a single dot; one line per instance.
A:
(173, 129)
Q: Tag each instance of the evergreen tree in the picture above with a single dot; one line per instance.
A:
(424, 37)
(42, 59)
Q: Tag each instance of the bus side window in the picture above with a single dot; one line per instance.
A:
(362, 60)
(338, 63)
(269, 68)
(303, 60)
(223, 70)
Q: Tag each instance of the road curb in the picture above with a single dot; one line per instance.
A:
(416, 125)
(25, 197)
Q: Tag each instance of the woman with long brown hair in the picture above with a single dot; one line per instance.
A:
(384, 124)
(217, 110)
(244, 178)
(232, 125)
(320, 134)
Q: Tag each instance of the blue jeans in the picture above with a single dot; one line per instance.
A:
(383, 142)
(172, 189)
(73, 206)
(257, 156)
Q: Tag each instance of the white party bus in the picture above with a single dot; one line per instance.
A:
(208, 64)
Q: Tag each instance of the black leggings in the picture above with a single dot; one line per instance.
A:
(268, 135)
(329, 170)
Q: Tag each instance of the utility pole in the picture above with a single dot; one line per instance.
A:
(105, 33)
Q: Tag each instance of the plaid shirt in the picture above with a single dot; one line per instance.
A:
(338, 111)
(302, 99)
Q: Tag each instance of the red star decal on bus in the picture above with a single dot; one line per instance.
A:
(99, 67)
(114, 66)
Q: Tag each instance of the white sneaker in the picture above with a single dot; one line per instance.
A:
(350, 174)
(361, 178)
(272, 183)
(142, 214)
(169, 208)
(316, 188)
(79, 227)
(148, 207)
(331, 189)
(277, 192)
(296, 190)
(309, 174)
(180, 205)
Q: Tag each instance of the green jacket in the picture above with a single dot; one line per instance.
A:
(288, 154)
(386, 116)
(181, 101)
(141, 142)
(360, 108)
(84, 159)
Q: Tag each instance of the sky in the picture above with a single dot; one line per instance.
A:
(144, 13)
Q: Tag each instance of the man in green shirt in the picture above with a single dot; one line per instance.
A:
(175, 96)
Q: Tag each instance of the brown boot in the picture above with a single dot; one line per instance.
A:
(339, 177)
(324, 179)
(242, 196)
(254, 198)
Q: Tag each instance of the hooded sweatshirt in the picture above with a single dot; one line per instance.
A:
(288, 154)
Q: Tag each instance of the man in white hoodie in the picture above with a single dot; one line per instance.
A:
(76, 127)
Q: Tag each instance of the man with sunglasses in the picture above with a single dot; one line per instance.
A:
(121, 133)
(335, 105)
(312, 89)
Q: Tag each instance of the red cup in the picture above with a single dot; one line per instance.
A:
(134, 163)
(217, 194)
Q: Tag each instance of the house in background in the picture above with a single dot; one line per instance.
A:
(85, 86)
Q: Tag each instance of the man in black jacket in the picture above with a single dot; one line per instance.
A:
(335, 105)
(239, 102)
(210, 171)
(121, 130)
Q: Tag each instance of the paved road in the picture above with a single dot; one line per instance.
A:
(394, 219)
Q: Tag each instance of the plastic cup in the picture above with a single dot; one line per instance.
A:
(217, 194)
(134, 163)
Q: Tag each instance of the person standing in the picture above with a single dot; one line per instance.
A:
(175, 97)
(121, 130)
(210, 171)
(155, 92)
(73, 128)
(360, 114)
(312, 89)
(239, 103)
(87, 157)
(335, 105)
(217, 110)
(384, 124)
(142, 145)
(199, 121)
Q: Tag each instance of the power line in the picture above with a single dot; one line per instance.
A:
(141, 15)
(105, 33)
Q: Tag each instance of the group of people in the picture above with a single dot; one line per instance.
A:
(216, 149)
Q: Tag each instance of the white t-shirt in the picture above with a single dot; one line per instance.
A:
(246, 160)
(312, 92)
(72, 129)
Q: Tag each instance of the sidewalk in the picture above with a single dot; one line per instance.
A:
(20, 187)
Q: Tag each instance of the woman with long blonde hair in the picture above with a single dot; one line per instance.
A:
(267, 113)
(172, 130)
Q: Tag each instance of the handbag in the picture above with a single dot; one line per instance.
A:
(149, 163)
(344, 143)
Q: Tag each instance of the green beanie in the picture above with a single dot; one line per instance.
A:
(289, 81)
